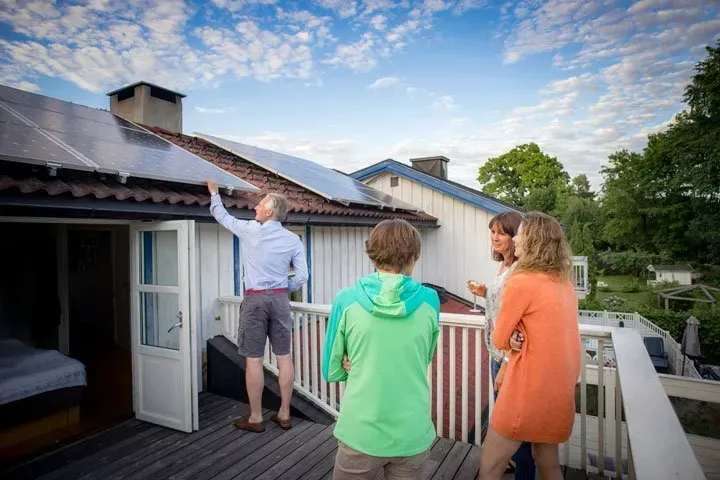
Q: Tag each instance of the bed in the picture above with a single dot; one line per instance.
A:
(36, 383)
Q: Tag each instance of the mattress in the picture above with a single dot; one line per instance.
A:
(27, 371)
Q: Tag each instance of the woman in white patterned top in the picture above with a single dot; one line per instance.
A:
(503, 228)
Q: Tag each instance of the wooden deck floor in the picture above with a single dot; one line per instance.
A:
(138, 450)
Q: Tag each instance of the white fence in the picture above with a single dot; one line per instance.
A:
(658, 446)
(646, 329)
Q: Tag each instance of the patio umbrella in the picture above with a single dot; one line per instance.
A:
(690, 341)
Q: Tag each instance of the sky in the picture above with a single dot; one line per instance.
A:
(348, 83)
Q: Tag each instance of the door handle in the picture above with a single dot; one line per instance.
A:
(178, 324)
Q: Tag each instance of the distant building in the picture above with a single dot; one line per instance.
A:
(681, 274)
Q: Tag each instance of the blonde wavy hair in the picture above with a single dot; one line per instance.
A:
(544, 247)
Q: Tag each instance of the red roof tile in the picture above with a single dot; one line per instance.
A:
(300, 199)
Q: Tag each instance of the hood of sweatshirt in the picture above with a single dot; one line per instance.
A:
(389, 295)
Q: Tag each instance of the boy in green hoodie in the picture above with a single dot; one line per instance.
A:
(387, 325)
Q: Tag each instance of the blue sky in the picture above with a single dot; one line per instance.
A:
(348, 83)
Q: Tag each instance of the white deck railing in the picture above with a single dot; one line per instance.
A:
(646, 329)
(635, 425)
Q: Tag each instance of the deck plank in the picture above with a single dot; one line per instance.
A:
(322, 468)
(257, 450)
(308, 462)
(285, 450)
(196, 452)
(453, 461)
(138, 450)
(214, 419)
(297, 455)
(437, 455)
(470, 465)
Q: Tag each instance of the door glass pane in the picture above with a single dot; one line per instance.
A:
(159, 258)
(159, 312)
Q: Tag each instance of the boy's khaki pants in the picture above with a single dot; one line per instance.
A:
(353, 465)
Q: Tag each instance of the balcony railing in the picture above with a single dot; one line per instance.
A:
(633, 426)
(581, 280)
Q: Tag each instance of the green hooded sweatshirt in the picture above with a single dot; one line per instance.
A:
(388, 325)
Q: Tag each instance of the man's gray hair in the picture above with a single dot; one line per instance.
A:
(279, 205)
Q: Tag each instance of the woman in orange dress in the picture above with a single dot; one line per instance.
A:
(537, 403)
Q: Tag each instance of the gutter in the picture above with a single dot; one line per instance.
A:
(131, 210)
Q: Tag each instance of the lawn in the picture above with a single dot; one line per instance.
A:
(633, 300)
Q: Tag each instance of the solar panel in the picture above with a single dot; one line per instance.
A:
(67, 109)
(90, 139)
(321, 180)
(26, 144)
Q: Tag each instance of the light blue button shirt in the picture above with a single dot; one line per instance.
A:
(267, 250)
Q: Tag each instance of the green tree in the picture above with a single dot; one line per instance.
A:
(581, 186)
(667, 199)
(513, 175)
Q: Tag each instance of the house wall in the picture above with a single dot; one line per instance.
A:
(460, 249)
(338, 259)
(683, 278)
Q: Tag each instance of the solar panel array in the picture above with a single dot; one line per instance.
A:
(321, 180)
(46, 131)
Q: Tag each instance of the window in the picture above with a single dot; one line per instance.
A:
(300, 295)
(394, 181)
(162, 94)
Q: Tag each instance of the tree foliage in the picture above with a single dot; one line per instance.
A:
(524, 169)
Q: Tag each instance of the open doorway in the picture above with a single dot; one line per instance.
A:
(99, 319)
(64, 333)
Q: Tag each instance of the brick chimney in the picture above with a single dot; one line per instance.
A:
(149, 105)
(436, 166)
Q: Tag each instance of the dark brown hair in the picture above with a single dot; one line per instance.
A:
(545, 248)
(393, 245)
(509, 222)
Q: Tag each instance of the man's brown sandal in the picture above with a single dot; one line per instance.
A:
(243, 423)
(284, 424)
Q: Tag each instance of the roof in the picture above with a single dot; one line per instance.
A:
(448, 187)
(670, 268)
(300, 199)
(142, 82)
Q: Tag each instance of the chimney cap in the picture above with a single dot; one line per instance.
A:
(435, 157)
(143, 82)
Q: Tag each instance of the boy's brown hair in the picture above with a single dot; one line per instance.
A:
(393, 245)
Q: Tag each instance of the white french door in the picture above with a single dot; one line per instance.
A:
(164, 344)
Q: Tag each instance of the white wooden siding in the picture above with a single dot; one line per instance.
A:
(460, 249)
(337, 260)
(215, 278)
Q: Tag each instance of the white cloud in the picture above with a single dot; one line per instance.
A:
(344, 8)
(358, 56)
(379, 22)
(384, 82)
(213, 111)
(446, 102)
(238, 5)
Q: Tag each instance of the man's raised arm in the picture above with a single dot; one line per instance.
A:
(217, 209)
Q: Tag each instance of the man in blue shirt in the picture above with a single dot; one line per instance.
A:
(267, 251)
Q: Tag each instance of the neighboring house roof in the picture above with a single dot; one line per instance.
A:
(448, 187)
(670, 268)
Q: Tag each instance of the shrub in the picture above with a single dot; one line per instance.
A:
(614, 301)
(632, 287)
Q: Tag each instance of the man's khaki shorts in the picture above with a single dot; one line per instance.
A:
(262, 316)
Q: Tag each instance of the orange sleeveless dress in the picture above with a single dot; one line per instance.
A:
(537, 399)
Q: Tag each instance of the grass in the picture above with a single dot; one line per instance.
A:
(633, 300)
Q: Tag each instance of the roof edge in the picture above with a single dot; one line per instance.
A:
(143, 82)
(465, 194)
